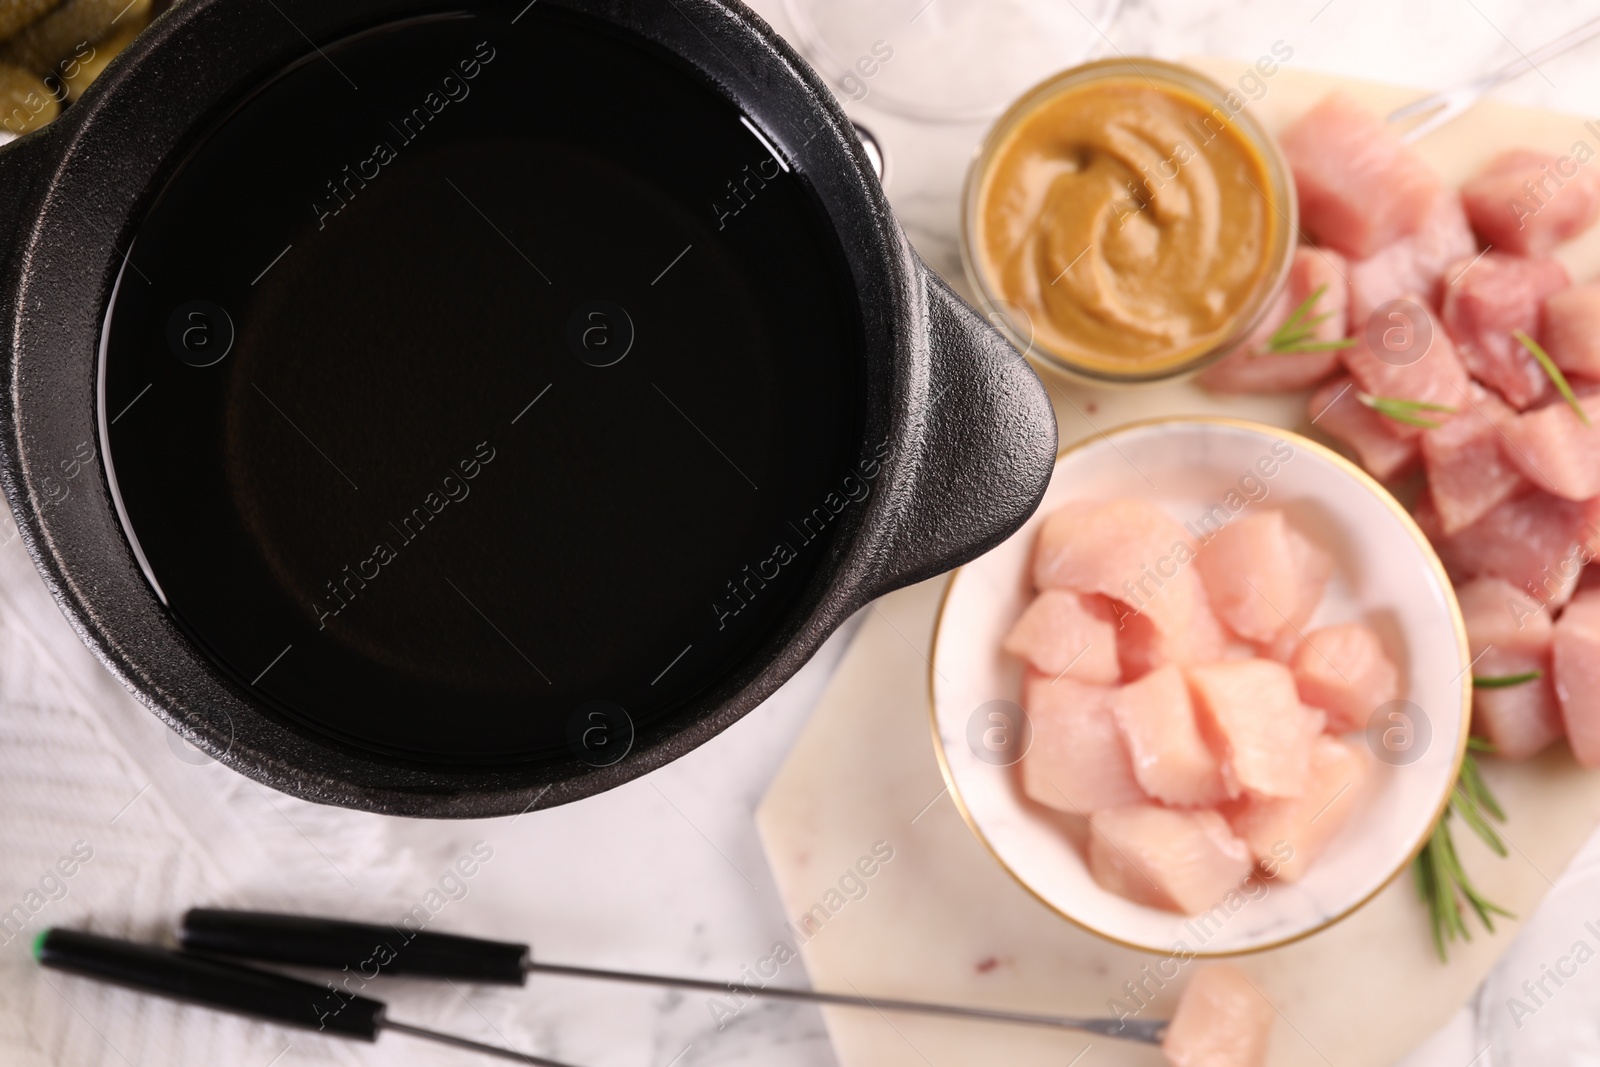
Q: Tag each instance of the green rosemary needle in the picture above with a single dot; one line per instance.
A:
(1296, 335)
(1442, 883)
(1506, 681)
(1406, 411)
(1554, 373)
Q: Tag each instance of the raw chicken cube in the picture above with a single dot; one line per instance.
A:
(1533, 541)
(1434, 377)
(1345, 671)
(1383, 452)
(1484, 303)
(1314, 567)
(1078, 761)
(1251, 712)
(1251, 571)
(1414, 264)
(1141, 647)
(1510, 635)
(1555, 450)
(1498, 613)
(1314, 721)
(1250, 369)
(1360, 187)
(1321, 268)
(1519, 720)
(1286, 835)
(1183, 861)
(1117, 873)
(1131, 551)
(1527, 203)
(1576, 657)
(1427, 516)
(1062, 633)
(1170, 758)
(1221, 1021)
(1570, 330)
(1469, 472)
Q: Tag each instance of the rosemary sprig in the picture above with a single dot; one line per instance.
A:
(1406, 411)
(1506, 681)
(1554, 373)
(1295, 335)
(1442, 883)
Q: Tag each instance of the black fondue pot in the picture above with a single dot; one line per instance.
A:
(451, 411)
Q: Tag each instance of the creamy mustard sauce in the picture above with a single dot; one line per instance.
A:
(1130, 220)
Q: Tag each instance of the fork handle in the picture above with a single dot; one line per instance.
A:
(358, 947)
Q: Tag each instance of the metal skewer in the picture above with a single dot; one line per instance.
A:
(471, 1045)
(1442, 107)
(1146, 1030)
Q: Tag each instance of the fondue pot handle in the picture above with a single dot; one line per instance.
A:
(987, 446)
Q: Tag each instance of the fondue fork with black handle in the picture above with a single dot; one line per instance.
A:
(202, 973)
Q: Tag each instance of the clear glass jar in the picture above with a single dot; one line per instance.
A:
(1107, 368)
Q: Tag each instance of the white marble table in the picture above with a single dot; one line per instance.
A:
(663, 874)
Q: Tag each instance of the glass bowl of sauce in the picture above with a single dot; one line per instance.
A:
(1128, 221)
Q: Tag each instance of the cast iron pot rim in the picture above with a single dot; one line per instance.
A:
(83, 166)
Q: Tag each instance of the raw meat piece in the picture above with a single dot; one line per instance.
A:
(1141, 647)
(1249, 369)
(1576, 658)
(1321, 268)
(1509, 633)
(1468, 470)
(1179, 860)
(1437, 377)
(1251, 712)
(1313, 567)
(1427, 515)
(1345, 671)
(1497, 613)
(1484, 303)
(1570, 330)
(1336, 410)
(1554, 449)
(1519, 720)
(1117, 873)
(1315, 724)
(1170, 759)
(1078, 761)
(1064, 633)
(1532, 541)
(1132, 551)
(1360, 187)
(1251, 574)
(1283, 647)
(1522, 202)
(1221, 1021)
(1305, 824)
(1414, 264)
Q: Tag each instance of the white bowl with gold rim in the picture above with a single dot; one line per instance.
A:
(1386, 574)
